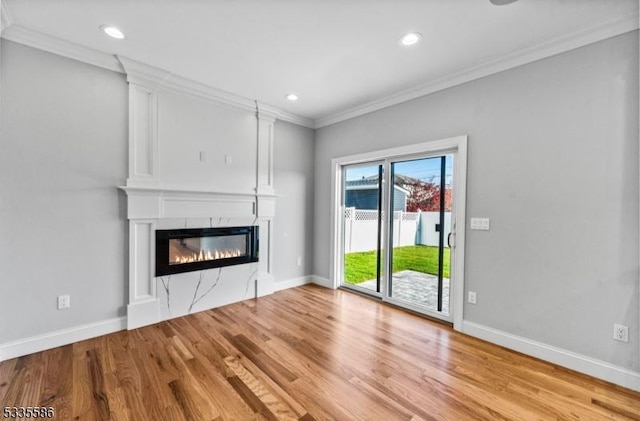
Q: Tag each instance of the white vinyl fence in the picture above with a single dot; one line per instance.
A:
(409, 228)
(427, 234)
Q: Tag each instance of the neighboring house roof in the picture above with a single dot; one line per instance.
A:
(370, 183)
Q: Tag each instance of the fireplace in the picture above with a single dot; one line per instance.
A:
(186, 250)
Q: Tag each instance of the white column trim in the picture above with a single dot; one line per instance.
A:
(265, 145)
(143, 136)
(142, 250)
(265, 213)
(143, 307)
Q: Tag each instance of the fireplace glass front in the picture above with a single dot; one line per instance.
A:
(200, 249)
(185, 250)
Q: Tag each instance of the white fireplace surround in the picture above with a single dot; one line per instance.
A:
(149, 207)
(152, 205)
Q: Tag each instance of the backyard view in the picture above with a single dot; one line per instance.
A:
(420, 199)
(361, 266)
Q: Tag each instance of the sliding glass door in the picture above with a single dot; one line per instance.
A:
(419, 255)
(396, 217)
(362, 204)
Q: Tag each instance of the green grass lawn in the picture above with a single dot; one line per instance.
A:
(361, 266)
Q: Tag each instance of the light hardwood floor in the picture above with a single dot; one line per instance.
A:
(305, 353)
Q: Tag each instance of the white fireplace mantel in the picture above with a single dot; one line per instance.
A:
(147, 207)
(158, 202)
(152, 204)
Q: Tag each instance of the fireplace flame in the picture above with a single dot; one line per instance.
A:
(203, 256)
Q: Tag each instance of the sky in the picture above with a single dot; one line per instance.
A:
(426, 169)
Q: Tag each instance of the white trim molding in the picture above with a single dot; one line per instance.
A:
(137, 71)
(61, 337)
(292, 283)
(143, 136)
(546, 49)
(264, 181)
(323, 282)
(5, 17)
(35, 39)
(156, 78)
(574, 361)
(17, 33)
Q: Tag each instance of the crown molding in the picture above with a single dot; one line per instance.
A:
(143, 74)
(31, 38)
(138, 72)
(296, 119)
(285, 116)
(154, 77)
(5, 17)
(547, 49)
(157, 78)
(146, 74)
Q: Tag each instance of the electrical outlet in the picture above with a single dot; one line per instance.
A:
(64, 301)
(472, 297)
(299, 260)
(621, 333)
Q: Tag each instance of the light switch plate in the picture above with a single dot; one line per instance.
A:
(482, 224)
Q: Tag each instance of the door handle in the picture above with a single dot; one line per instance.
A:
(449, 239)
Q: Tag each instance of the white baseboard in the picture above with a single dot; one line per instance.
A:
(581, 363)
(143, 313)
(292, 283)
(61, 337)
(323, 282)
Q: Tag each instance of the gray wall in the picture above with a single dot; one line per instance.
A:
(63, 151)
(293, 182)
(188, 125)
(553, 161)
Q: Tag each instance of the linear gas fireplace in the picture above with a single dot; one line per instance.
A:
(186, 250)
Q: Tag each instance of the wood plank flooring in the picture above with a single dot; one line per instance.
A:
(307, 353)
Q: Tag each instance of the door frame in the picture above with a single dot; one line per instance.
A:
(457, 145)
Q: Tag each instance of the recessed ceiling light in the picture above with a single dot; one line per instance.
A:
(112, 31)
(411, 38)
(291, 97)
(501, 2)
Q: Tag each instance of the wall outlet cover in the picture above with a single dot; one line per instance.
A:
(621, 333)
(472, 297)
(64, 301)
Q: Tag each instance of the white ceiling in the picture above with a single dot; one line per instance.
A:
(342, 57)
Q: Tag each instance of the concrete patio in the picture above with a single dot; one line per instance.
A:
(416, 288)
